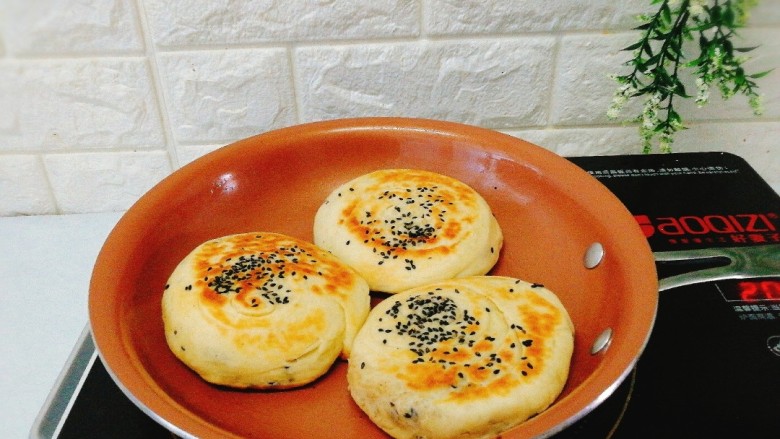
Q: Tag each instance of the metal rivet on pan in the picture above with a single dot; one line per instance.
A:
(593, 255)
(601, 342)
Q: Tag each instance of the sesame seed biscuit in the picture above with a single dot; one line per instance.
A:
(262, 310)
(464, 358)
(400, 228)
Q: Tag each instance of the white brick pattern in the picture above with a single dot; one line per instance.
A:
(104, 103)
(24, 187)
(99, 100)
(104, 182)
(459, 17)
(495, 83)
(206, 22)
(70, 26)
(222, 96)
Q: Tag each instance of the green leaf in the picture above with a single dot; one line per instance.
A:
(693, 63)
(661, 36)
(634, 46)
(702, 27)
(728, 17)
(679, 89)
(715, 13)
(666, 13)
(760, 74)
(646, 90)
(674, 116)
(638, 63)
(728, 47)
(647, 48)
(674, 51)
(662, 76)
(745, 49)
(653, 60)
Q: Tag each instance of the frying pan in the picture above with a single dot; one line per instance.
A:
(562, 228)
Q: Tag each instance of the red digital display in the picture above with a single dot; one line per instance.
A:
(757, 290)
(751, 290)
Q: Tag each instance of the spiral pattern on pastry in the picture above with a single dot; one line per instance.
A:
(469, 357)
(262, 310)
(401, 228)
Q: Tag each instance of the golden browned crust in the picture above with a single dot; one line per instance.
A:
(262, 310)
(401, 228)
(468, 357)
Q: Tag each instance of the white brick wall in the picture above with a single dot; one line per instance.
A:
(500, 83)
(99, 100)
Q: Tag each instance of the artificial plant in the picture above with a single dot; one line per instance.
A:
(659, 57)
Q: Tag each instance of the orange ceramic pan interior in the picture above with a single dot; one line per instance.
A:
(550, 212)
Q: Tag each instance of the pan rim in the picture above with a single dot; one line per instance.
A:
(346, 126)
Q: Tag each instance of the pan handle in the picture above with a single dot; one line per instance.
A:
(744, 262)
(696, 277)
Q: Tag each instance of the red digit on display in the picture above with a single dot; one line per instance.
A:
(771, 289)
(748, 291)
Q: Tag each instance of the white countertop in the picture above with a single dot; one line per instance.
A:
(45, 267)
